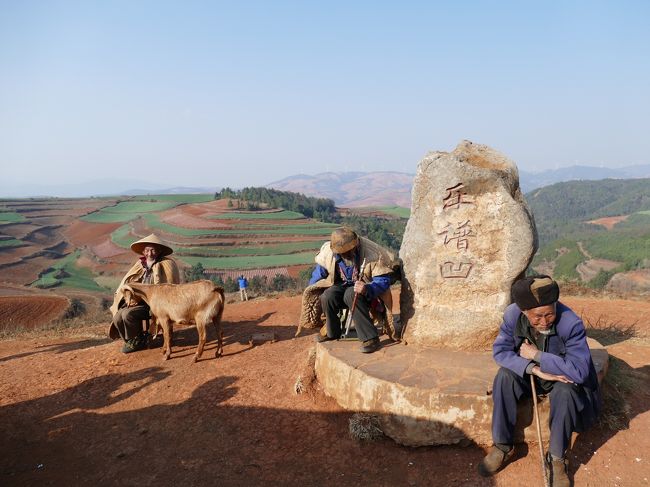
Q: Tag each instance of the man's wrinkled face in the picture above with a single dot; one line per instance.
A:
(541, 318)
(150, 252)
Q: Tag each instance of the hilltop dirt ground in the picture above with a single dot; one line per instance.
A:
(74, 410)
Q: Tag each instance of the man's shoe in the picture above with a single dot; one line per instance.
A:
(129, 346)
(494, 460)
(135, 344)
(371, 345)
(559, 476)
(320, 338)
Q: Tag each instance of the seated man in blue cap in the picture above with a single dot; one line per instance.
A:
(541, 337)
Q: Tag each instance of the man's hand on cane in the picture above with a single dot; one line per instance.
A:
(360, 287)
(528, 351)
(545, 376)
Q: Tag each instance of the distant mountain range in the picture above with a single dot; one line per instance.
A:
(355, 189)
(347, 189)
(99, 187)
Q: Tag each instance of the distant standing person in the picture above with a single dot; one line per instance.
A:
(243, 286)
(153, 267)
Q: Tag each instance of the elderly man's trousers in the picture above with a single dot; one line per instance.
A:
(338, 297)
(570, 410)
(128, 321)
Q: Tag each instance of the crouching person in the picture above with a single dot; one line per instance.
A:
(153, 267)
(542, 337)
(338, 270)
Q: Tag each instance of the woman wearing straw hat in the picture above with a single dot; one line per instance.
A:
(153, 267)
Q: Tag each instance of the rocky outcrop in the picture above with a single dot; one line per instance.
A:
(470, 235)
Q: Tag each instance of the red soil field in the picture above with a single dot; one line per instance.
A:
(18, 230)
(14, 254)
(107, 249)
(180, 218)
(82, 233)
(27, 271)
(76, 411)
(30, 311)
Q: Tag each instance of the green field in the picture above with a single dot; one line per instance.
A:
(11, 217)
(397, 211)
(177, 198)
(122, 238)
(251, 262)
(276, 215)
(76, 277)
(235, 250)
(154, 222)
(126, 211)
(11, 242)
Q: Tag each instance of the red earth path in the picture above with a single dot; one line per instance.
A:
(74, 410)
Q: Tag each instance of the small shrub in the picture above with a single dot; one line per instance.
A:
(75, 309)
(217, 280)
(194, 273)
(230, 285)
(365, 427)
(257, 284)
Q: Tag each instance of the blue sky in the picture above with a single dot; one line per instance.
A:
(245, 93)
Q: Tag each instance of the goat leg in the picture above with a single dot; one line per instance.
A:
(200, 327)
(167, 338)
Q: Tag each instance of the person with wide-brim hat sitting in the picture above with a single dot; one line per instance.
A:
(153, 267)
(341, 276)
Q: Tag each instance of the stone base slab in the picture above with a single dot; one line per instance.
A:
(424, 396)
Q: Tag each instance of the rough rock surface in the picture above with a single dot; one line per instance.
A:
(423, 395)
(470, 235)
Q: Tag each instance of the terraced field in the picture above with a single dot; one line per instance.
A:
(85, 243)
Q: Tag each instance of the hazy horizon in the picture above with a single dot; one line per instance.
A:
(220, 94)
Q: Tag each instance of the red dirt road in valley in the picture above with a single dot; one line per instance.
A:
(76, 411)
(609, 221)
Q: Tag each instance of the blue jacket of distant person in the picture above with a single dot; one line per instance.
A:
(243, 282)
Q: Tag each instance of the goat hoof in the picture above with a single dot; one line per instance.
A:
(196, 359)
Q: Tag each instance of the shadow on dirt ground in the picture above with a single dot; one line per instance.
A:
(60, 348)
(637, 403)
(63, 439)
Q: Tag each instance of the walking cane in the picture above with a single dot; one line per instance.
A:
(539, 431)
(348, 321)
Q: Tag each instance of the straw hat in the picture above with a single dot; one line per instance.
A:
(343, 239)
(138, 247)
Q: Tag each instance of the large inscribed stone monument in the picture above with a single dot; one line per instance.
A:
(470, 235)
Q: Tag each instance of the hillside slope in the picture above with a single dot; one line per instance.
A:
(593, 230)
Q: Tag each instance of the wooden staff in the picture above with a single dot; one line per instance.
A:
(539, 431)
(348, 322)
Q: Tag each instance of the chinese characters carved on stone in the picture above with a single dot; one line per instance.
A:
(460, 234)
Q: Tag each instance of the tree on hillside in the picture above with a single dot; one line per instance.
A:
(194, 273)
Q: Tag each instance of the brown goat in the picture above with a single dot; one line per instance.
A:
(200, 301)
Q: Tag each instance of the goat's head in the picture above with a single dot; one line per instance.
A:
(130, 296)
